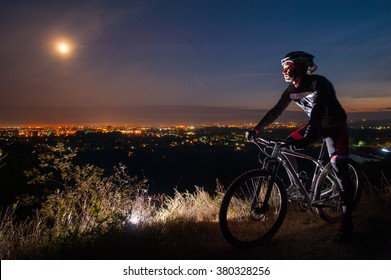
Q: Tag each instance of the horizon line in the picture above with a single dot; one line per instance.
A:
(149, 115)
(177, 125)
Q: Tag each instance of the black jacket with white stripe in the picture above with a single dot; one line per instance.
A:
(316, 96)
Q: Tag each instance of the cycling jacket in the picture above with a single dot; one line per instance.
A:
(316, 96)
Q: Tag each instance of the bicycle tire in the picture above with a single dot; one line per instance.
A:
(242, 226)
(331, 211)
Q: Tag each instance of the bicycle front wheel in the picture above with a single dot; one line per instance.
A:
(331, 210)
(246, 219)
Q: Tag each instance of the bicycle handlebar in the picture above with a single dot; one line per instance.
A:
(269, 141)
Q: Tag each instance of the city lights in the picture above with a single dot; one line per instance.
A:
(132, 138)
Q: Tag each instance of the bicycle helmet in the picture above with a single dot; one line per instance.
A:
(299, 57)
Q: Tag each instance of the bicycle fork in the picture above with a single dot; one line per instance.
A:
(272, 167)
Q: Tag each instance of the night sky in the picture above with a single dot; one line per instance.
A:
(184, 61)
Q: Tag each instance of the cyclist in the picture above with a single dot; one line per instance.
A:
(316, 96)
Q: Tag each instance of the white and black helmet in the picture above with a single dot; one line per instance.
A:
(301, 57)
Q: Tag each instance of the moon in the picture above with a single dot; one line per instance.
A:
(63, 48)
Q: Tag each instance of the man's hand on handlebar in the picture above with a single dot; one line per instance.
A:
(251, 134)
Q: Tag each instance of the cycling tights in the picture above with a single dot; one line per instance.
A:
(337, 141)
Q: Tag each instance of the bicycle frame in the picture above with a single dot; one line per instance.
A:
(280, 154)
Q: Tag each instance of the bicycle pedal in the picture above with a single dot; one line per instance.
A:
(319, 204)
(296, 198)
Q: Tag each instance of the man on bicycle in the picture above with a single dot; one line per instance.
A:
(327, 119)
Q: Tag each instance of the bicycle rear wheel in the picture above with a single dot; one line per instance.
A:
(244, 221)
(331, 208)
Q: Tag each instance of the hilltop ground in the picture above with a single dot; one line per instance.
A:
(302, 236)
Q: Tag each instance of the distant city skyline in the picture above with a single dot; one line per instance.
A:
(185, 61)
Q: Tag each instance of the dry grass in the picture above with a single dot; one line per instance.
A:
(114, 218)
(185, 226)
(198, 206)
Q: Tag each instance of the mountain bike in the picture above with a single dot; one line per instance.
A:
(255, 204)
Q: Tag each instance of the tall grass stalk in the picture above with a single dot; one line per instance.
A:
(197, 206)
(19, 238)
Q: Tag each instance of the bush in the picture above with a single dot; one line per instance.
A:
(83, 205)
